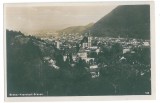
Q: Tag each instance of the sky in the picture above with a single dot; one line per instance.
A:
(33, 18)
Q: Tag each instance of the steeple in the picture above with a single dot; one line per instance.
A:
(89, 40)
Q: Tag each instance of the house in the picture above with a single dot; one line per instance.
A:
(126, 50)
(145, 43)
(94, 71)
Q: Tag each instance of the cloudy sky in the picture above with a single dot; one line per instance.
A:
(30, 19)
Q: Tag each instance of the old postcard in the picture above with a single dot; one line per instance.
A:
(79, 51)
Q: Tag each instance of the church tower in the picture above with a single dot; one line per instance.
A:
(89, 40)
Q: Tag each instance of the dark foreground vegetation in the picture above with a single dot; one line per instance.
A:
(28, 72)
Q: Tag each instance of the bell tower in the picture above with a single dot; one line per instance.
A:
(89, 40)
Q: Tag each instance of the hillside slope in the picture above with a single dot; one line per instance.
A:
(125, 21)
(76, 29)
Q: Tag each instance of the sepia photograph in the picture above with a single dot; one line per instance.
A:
(79, 49)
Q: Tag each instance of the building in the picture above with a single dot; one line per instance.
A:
(58, 44)
(82, 53)
(94, 71)
(64, 58)
(145, 43)
(126, 50)
(85, 42)
(89, 41)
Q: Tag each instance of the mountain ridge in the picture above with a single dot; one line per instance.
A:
(128, 21)
(125, 21)
(76, 29)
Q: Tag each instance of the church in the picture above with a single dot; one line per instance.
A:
(86, 42)
(85, 45)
